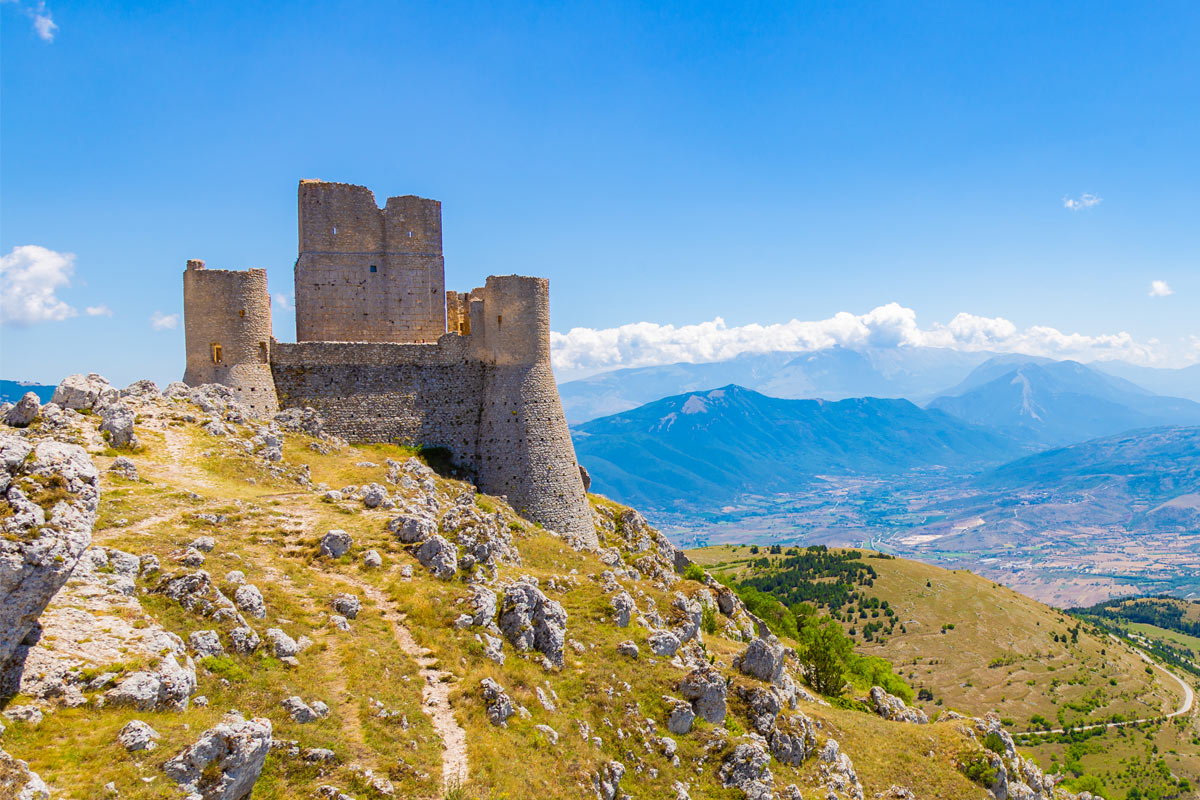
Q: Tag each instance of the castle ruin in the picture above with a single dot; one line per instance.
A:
(385, 354)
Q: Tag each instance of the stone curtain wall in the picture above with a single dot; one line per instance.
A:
(407, 393)
(504, 423)
(343, 235)
(231, 309)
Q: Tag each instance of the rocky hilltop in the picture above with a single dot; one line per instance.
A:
(199, 603)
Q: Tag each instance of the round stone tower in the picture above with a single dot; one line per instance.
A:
(524, 445)
(227, 325)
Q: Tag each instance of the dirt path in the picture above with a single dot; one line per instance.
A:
(435, 694)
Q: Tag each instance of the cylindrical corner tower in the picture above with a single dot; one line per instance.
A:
(227, 325)
(524, 448)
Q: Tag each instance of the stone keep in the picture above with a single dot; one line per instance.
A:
(367, 274)
(385, 354)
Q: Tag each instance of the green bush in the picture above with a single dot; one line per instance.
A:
(994, 742)
(224, 667)
(876, 671)
(708, 620)
(694, 572)
(978, 767)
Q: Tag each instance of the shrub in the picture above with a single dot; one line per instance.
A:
(994, 742)
(978, 768)
(708, 620)
(694, 572)
(224, 667)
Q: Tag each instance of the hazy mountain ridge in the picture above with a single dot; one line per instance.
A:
(1058, 402)
(12, 391)
(919, 374)
(835, 373)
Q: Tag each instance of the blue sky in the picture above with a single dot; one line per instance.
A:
(910, 166)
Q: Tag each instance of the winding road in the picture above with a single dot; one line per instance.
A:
(1189, 699)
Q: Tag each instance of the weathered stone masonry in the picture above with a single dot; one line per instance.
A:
(467, 371)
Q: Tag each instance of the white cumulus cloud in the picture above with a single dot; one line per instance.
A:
(98, 311)
(584, 351)
(164, 322)
(1084, 201)
(283, 302)
(43, 23)
(1160, 289)
(30, 277)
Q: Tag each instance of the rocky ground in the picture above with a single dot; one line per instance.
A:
(196, 603)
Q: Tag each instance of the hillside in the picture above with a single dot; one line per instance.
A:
(705, 448)
(275, 635)
(1058, 402)
(975, 644)
(1001, 653)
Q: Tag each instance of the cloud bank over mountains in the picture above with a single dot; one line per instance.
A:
(584, 351)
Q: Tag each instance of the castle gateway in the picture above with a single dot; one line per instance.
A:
(385, 354)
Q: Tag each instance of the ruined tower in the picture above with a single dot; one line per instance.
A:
(368, 274)
(227, 329)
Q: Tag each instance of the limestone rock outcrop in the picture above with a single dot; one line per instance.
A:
(499, 705)
(891, 707)
(84, 392)
(762, 659)
(24, 412)
(747, 768)
(116, 421)
(51, 492)
(532, 621)
(225, 762)
(705, 688)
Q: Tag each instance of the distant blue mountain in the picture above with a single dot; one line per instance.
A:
(834, 373)
(12, 391)
(1058, 402)
(1182, 382)
(703, 449)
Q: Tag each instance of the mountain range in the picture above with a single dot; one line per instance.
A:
(919, 374)
(696, 452)
(835, 373)
(12, 391)
(706, 448)
(1054, 403)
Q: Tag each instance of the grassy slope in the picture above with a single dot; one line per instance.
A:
(271, 535)
(994, 624)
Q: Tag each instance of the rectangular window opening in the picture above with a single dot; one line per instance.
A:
(216, 353)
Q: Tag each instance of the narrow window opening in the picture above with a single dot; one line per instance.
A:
(499, 319)
(374, 268)
(242, 313)
(216, 353)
